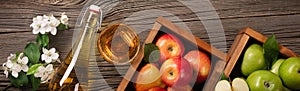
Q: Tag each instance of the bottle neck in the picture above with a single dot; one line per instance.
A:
(91, 20)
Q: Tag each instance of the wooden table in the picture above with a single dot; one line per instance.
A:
(281, 17)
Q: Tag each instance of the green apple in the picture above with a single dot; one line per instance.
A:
(286, 89)
(253, 60)
(264, 80)
(289, 71)
(276, 66)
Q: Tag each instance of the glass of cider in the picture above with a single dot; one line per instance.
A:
(118, 43)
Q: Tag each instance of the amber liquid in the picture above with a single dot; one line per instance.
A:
(119, 44)
(81, 50)
(69, 84)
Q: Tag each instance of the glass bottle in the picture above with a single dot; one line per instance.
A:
(73, 71)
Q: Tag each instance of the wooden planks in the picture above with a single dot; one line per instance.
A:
(280, 17)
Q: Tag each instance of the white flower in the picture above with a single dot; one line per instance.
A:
(49, 55)
(52, 24)
(40, 72)
(8, 64)
(44, 24)
(44, 73)
(15, 66)
(39, 24)
(15, 70)
(11, 57)
(5, 69)
(64, 19)
(23, 60)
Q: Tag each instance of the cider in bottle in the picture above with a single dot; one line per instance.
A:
(74, 68)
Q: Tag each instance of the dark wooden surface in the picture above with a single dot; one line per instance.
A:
(280, 17)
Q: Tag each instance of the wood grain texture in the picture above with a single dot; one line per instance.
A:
(280, 17)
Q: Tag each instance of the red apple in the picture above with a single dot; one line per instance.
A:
(148, 77)
(157, 89)
(181, 88)
(176, 72)
(200, 63)
(169, 46)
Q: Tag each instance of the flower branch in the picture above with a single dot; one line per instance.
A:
(34, 65)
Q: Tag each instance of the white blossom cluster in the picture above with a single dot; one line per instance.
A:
(44, 24)
(49, 56)
(15, 64)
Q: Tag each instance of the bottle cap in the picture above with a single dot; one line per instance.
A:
(94, 8)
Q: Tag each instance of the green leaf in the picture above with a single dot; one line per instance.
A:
(17, 54)
(42, 39)
(271, 50)
(33, 69)
(151, 53)
(223, 77)
(22, 80)
(35, 82)
(62, 27)
(32, 52)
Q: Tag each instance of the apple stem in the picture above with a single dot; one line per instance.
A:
(299, 71)
(267, 84)
(170, 49)
(171, 73)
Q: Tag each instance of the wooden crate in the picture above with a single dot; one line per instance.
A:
(218, 58)
(245, 38)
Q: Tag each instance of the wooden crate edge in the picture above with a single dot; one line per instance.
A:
(200, 43)
(261, 38)
(236, 54)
